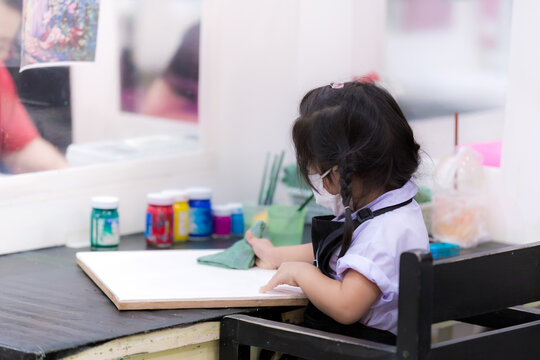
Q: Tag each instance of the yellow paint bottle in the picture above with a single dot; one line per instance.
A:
(181, 214)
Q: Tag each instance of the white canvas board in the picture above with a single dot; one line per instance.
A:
(173, 279)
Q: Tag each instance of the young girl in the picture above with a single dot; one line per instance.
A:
(356, 150)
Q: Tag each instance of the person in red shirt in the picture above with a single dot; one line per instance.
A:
(21, 147)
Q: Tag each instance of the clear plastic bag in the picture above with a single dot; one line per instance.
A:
(459, 204)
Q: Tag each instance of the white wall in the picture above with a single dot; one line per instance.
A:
(436, 135)
(520, 151)
(269, 60)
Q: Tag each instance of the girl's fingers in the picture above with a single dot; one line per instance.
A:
(266, 288)
(263, 264)
(249, 237)
(271, 284)
(259, 263)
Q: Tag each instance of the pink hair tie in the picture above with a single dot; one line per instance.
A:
(347, 207)
(337, 85)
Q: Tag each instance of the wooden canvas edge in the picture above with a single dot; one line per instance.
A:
(206, 304)
(98, 282)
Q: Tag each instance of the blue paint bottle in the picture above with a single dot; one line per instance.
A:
(200, 213)
(237, 215)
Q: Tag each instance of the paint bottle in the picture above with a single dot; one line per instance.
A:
(181, 214)
(104, 223)
(159, 220)
(200, 213)
(237, 218)
(222, 221)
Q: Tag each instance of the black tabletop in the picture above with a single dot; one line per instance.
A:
(49, 308)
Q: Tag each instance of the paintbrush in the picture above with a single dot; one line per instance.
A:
(305, 203)
(263, 183)
(275, 178)
(269, 189)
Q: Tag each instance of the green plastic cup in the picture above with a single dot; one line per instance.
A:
(286, 224)
(252, 213)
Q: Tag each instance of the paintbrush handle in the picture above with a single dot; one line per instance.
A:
(304, 204)
(276, 176)
(263, 183)
(269, 191)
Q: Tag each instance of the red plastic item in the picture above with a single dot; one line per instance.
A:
(371, 77)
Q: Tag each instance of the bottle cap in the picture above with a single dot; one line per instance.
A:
(236, 208)
(159, 199)
(199, 193)
(105, 202)
(177, 194)
(221, 210)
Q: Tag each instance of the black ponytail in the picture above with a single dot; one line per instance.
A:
(361, 129)
(345, 183)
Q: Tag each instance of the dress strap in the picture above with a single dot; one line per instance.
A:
(367, 214)
(327, 246)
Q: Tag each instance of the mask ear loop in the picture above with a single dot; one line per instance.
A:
(326, 173)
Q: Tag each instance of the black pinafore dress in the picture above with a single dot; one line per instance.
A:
(326, 236)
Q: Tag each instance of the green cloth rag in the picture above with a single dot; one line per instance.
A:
(238, 256)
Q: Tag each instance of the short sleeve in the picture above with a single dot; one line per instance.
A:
(16, 127)
(374, 264)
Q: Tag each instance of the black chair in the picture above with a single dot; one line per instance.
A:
(480, 288)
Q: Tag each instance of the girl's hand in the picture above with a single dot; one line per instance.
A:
(286, 275)
(266, 257)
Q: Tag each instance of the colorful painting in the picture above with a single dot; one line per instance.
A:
(59, 31)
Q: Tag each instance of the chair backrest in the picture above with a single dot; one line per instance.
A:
(460, 287)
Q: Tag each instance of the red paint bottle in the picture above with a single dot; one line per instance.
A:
(159, 220)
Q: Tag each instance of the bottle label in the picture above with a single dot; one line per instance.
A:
(106, 232)
(159, 227)
(149, 234)
(237, 226)
(200, 222)
(183, 223)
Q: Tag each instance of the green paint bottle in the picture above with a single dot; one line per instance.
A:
(104, 223)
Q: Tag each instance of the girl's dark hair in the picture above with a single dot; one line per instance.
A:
(360, 128)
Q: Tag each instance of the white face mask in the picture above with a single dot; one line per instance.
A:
(323, 197)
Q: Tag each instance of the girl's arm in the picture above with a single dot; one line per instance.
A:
(345, 301)
(271, 257)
